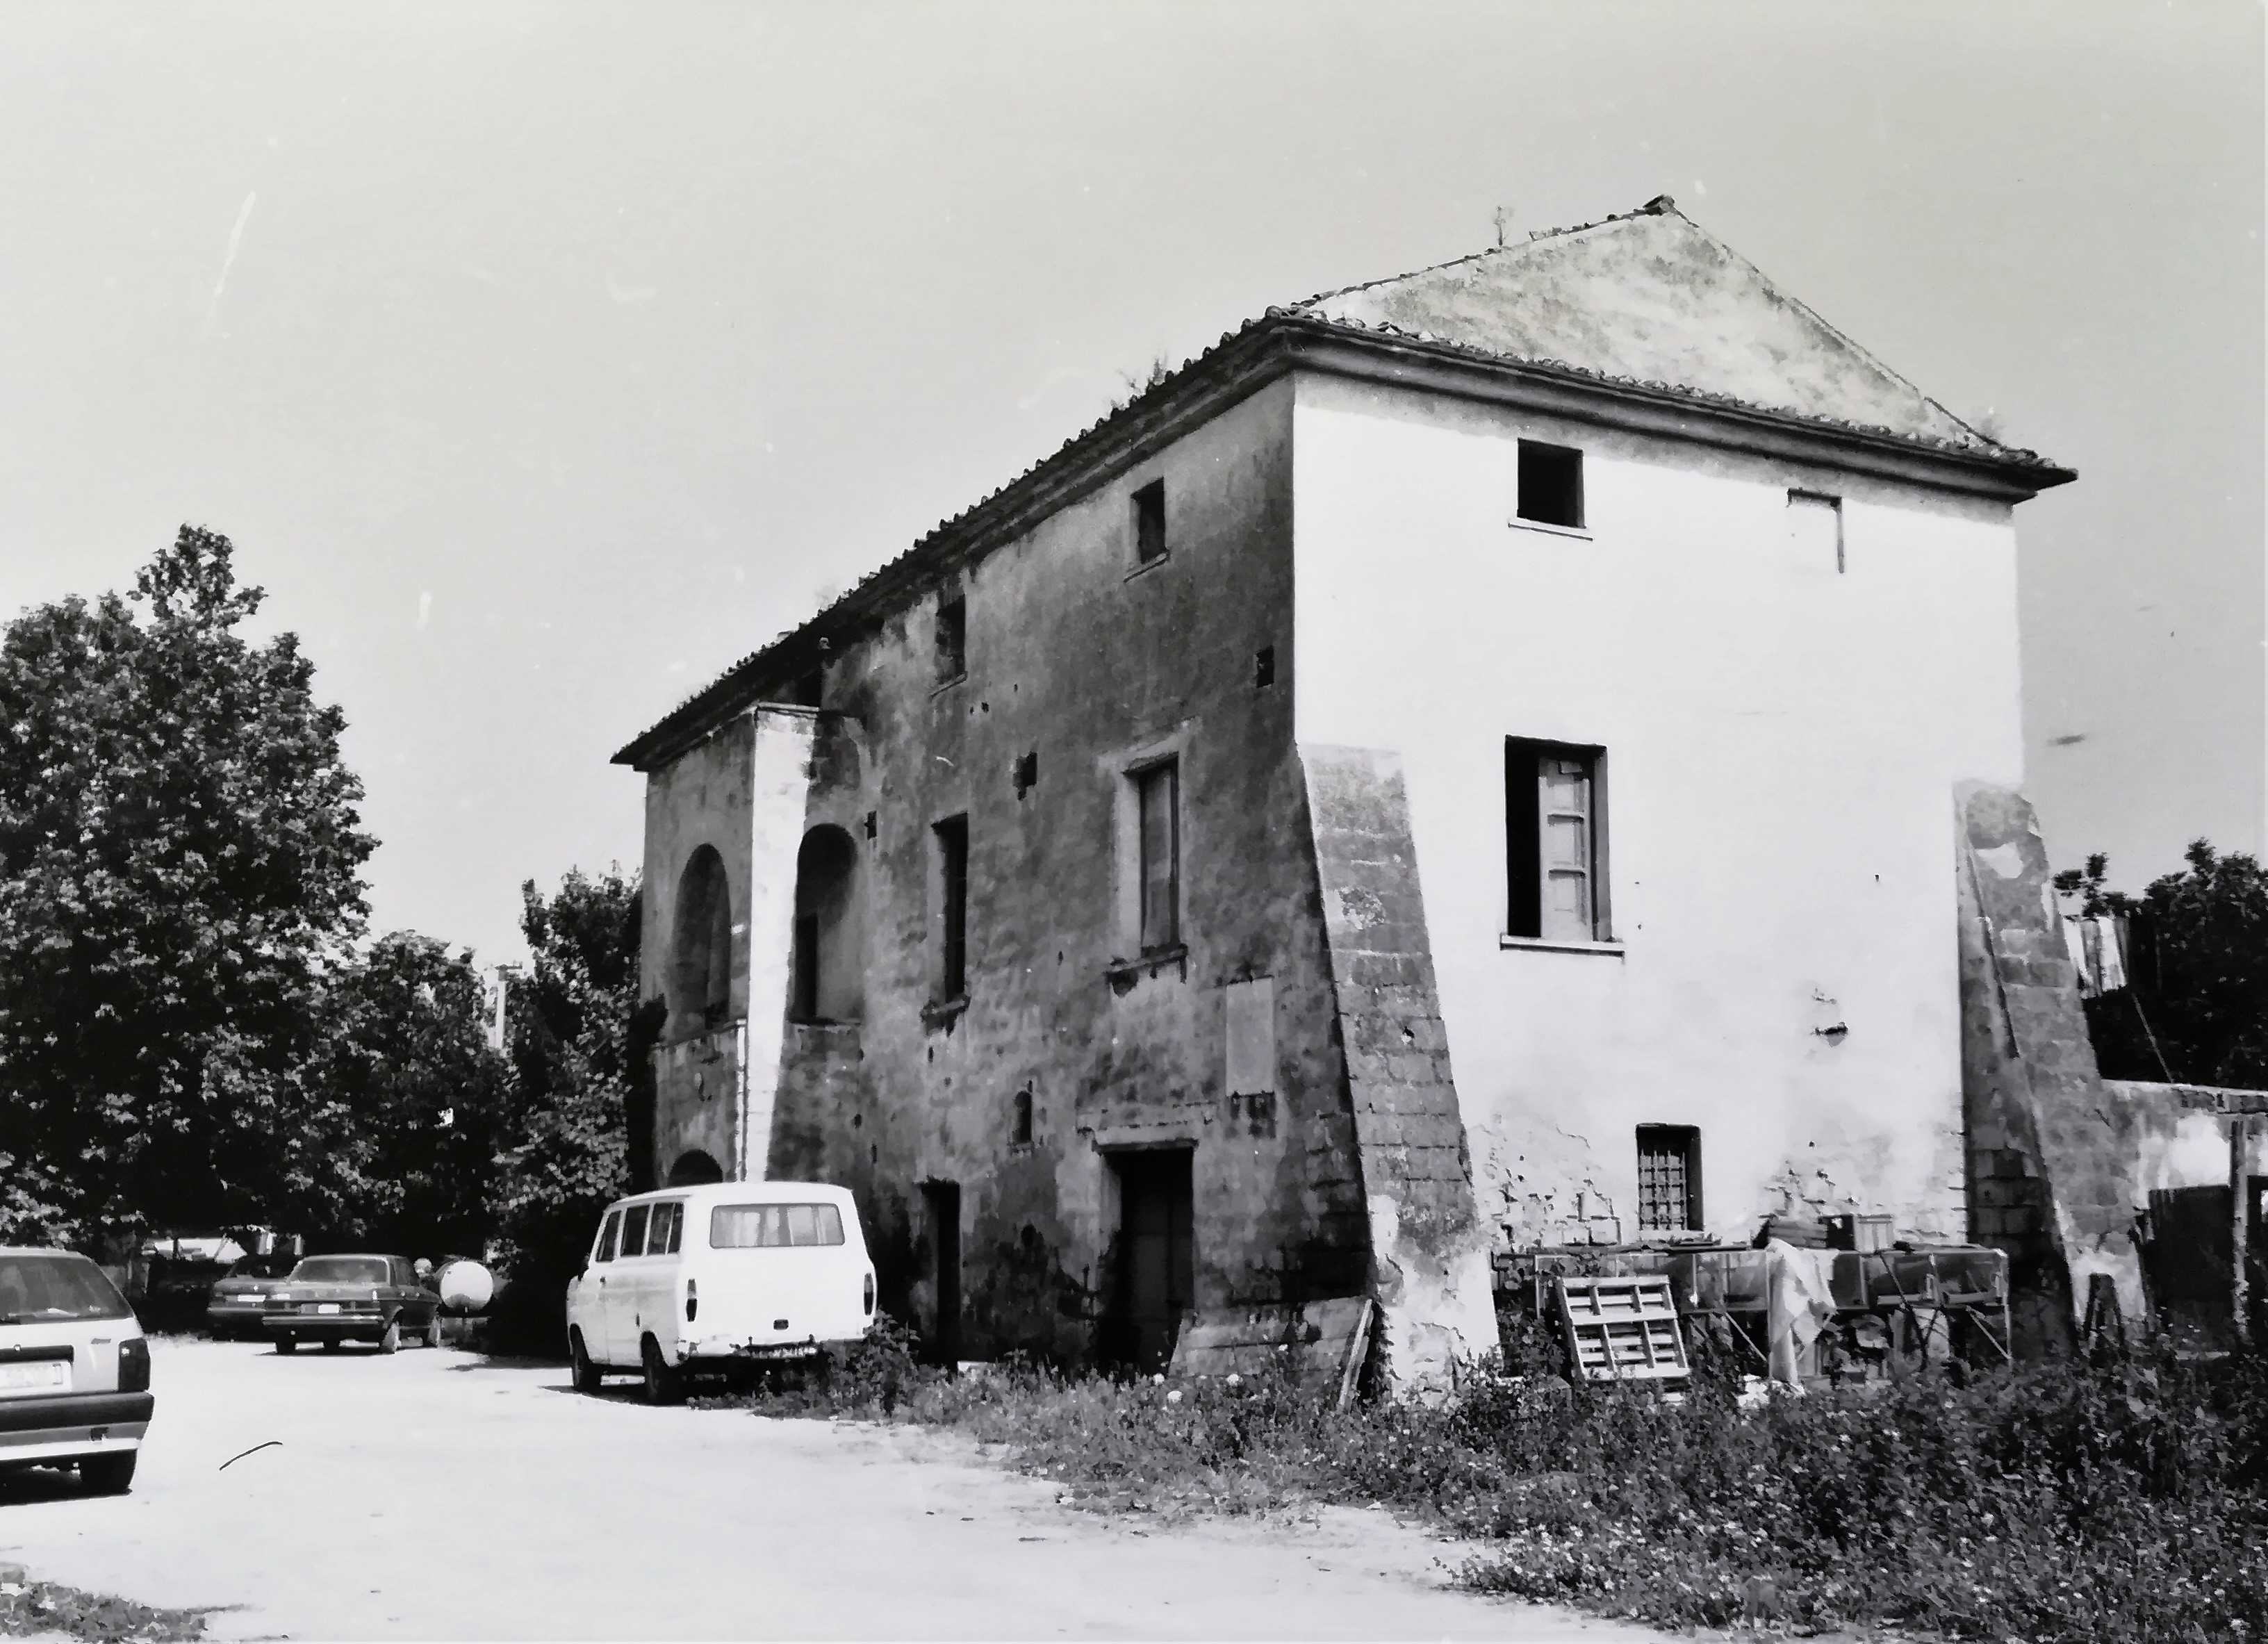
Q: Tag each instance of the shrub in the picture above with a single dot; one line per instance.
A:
(2051, 1502)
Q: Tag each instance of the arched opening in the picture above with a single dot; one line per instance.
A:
(704, 948)
(695, 1169)
(829, 980)
(1020, 1130)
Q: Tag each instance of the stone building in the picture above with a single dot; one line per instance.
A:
(1058, 888)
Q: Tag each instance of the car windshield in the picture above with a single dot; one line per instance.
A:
(763, 1226)
(37, 1288)
(261, 1267)
(341, 1270)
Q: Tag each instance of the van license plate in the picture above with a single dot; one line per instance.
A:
(38, 1376)
(327, 1307)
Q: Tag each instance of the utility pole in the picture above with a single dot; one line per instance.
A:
(1503, 225)
(2240, 1190)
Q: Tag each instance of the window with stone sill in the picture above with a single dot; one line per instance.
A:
(1555, 841)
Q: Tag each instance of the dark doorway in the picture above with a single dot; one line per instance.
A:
(695, 1169)
(943, 1199)
(1157, 1263)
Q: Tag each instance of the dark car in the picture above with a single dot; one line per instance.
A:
(336, 1299)
(238, 1301)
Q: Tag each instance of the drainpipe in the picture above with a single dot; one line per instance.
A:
(741, 1101)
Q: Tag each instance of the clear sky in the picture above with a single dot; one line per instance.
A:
(542, 359)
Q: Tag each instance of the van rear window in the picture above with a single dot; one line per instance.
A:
(767, 1227)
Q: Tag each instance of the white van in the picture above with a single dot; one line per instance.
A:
(688, 1280)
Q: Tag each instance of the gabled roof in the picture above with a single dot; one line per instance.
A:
(1650, 296)
(1647, 309)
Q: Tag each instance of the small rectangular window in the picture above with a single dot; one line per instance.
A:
(634, 1230)
(1027, 772)
(952, 639)
(1554, 841)
(1158, 796)
(1150, 523)
(1550, 484)
(1263, 669)
(953, 907)
(1815, 527)
(1669, 1178)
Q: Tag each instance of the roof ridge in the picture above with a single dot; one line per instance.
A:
(1978, 445)
(1660, 205)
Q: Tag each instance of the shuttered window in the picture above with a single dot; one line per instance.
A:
(953, 909)
(1157, 790)
(1554, 841)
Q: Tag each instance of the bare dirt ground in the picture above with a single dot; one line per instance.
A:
(436, 1494)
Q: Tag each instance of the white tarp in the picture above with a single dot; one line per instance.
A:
(1801, 1302)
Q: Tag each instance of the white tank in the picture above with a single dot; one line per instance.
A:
(466, 1287)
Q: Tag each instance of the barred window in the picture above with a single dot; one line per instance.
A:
(1669, 1178)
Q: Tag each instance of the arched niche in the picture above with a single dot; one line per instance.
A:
(694, 1170)
(701, 952)
(829, 978)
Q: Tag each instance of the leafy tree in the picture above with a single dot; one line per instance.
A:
(582, 1096)
(2196, 1005)
(180, 854)
(406, 1103)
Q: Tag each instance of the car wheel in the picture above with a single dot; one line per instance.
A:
(663, 1384)
(108, 1475)
(287, 1343)
(587, 1377)
(433, 1330)
(391, 1341)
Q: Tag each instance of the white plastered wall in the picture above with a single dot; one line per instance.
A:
(1782, 741)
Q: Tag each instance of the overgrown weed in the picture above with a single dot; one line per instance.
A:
(2051, 1503)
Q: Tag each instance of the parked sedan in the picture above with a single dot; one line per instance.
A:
(238, 1302)
(74, 1369)
(338, 1299)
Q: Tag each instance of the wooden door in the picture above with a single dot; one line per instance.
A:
(943, 1199)
(1157, 1254)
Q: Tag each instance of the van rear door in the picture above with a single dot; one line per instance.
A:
(781, 1272)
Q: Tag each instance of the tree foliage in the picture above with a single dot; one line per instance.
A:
(406, 1101)
(581, 1097)
(2195, 1007)
(180, 853)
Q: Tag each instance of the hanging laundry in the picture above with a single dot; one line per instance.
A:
(2110, 948)
(2077, 943)
(1799, 1284)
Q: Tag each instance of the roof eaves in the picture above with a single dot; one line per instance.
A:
(1131, 428)
(1981, 448)
(1121, 436)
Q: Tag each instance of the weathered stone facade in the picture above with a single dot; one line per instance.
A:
(902, 877)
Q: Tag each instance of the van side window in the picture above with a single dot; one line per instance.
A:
(634, 1230)
(668, 1226)
(606, 1251)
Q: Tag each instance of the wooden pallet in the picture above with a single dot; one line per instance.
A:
(1621, 1328)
